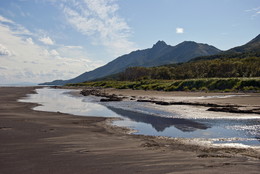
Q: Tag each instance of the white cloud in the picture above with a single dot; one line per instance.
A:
(254, 11)
(3, 68)
(51, 53)
(99, 20)
(4, 51)
(20, 30)
(16, 28)
(29, 40)
(54, 53)
(73, 47)
(179, 30)
(35, 63)
(47, 40)
(3, 19)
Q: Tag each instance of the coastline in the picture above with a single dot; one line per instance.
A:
(48, 142)
(245, 99)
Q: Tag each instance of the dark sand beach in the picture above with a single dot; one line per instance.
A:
(47, 142)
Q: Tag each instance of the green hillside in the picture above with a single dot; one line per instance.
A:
(211, 84)
(216, 68)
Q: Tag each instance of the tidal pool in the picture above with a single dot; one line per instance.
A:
(151, 119)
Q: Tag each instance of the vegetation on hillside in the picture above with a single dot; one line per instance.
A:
(216, 68)
(212, 84)
(233, 72)
(227, 55)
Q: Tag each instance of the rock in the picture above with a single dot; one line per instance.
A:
(233, 110)
(163, 103)
(99, 93)
(144, 100)
(92, 91)
(111, 99)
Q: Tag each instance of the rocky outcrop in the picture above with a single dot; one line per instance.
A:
(100, 93)
(235, 110)
(213, 107)
(184, 103)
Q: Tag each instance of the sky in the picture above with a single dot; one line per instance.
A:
(45, 40)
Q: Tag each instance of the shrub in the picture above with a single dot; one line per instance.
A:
(205, 89)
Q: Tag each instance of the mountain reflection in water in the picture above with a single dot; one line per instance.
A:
(147, 119)
(160, 123)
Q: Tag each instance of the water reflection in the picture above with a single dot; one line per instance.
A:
(160, 123)
(60, 100)
(136, 116)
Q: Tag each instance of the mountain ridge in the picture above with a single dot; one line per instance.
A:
(252, 45)
(159, 54)
(250, 48)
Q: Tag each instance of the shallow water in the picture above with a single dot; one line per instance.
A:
(151, 119)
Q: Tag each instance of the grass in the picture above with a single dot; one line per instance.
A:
(207, 84)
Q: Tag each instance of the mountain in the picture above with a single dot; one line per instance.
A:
(159, 54)
(252, 46)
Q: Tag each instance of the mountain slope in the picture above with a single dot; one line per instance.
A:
(252, 46)
(159, 54)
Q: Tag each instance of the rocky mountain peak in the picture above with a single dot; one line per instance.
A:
(159, 45)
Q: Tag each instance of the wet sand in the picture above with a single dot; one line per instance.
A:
(45, 142)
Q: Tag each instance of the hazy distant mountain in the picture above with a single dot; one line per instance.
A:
(252, 46)
(159, 54)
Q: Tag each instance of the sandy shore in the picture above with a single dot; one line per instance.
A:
(45, 142)
(245, 99)
(234, 102)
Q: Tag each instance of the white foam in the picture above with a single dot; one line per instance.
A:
(220, 142)
(220, 96)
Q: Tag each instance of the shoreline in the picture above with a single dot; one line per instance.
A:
(88, 144)
(232, 98)
(241, 105)
(182, 102)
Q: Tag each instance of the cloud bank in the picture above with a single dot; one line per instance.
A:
(47, 40)
(33, 54)
(23, 60)
(4, 51)
(99, 20)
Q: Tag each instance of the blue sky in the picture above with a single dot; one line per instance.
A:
(44, 40)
